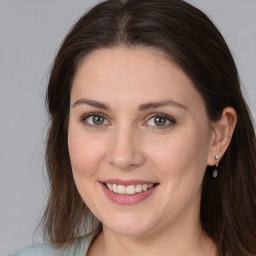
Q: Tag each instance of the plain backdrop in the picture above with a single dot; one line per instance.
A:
(30, 33)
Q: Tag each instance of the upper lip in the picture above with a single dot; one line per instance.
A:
(127, 182)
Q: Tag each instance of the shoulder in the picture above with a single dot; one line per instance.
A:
(42, 249)
(78, 247)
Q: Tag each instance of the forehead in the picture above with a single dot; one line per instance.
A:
(132, 75)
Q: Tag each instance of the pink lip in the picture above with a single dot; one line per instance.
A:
(127, 182)
(127, 199)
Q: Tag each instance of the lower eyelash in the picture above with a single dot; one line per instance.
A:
(84, 117)
(169, 118)
(165, 116)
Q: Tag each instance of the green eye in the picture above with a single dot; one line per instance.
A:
(94, 119)
(98, 120)
(160, 121)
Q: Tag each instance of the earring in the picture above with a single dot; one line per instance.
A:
(215, 172)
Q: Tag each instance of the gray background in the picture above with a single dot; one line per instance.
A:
(30, 32)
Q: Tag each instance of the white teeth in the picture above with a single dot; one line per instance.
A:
(138, 188)
(129, 190)
(150, 185)
(121, 189)
(110, 186)
(145, 187)
(114, 187)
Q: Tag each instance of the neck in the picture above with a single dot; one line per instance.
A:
(168, 241)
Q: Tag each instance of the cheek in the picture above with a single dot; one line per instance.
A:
(180, 162)
(85, 152)
(181, 154)
(85, 156)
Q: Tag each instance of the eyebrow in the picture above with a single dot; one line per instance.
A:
(92, 103)
(149, 105)
(142, 107)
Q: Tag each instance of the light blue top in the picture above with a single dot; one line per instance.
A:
(78, 248)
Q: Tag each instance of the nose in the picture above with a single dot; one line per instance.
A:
(125, 152)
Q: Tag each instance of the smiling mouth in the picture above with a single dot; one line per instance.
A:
(130, 189)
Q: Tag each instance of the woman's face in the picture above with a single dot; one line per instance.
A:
(138, 127)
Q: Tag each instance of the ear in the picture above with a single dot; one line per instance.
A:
(222, 131)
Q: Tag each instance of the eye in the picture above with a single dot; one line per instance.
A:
(160, 121)
(94, 119)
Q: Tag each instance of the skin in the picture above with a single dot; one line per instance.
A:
(129, 144)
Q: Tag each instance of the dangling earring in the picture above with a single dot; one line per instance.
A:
(215, 172)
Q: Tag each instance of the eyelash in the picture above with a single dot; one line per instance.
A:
(171, 120)
(93, 114)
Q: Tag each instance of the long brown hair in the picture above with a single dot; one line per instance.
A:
(189, 38)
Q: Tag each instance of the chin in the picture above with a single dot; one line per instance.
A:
(135, 226)
(130, 231)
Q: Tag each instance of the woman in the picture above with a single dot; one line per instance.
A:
(151, 145)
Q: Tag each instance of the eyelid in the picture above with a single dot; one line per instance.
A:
(154, 115)
(169, 118)
(85, 116)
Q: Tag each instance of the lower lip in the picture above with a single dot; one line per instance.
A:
(127, 199)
